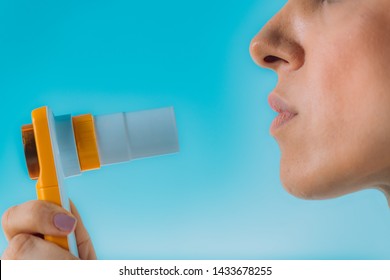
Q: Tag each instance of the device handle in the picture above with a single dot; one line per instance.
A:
(48, 188)
(52, 194)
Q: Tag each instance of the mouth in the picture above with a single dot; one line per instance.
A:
(286, 113)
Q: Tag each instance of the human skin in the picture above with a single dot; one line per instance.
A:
(24, 224)
(332, 59)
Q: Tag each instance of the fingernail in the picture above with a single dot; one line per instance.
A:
(64, 222)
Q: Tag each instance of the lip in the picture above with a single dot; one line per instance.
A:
(286, 113)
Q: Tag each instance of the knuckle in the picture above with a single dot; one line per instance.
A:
(19, 245)
(36, 209)
(37, 206)
(5, 219)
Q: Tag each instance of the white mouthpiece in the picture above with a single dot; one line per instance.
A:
(126, 136)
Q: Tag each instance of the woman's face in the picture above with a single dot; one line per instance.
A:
(333, 63)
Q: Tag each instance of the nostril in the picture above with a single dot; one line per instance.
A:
(271, 59)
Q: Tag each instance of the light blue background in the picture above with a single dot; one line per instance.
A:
(220, 197)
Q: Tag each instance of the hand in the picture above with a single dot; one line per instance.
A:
(25, 224)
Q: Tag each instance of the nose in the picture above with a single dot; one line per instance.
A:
(276, 47)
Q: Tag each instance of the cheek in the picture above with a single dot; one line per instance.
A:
(341, 140)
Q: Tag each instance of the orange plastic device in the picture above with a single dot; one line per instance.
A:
(42, 157)
(57, 147)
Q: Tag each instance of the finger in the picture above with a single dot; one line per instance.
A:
(28, 247)
(84, 242)
(38, 216)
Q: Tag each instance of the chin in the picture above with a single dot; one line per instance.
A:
(300, 190)
(310, 185)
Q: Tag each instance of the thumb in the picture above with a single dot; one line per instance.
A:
(84, 243)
